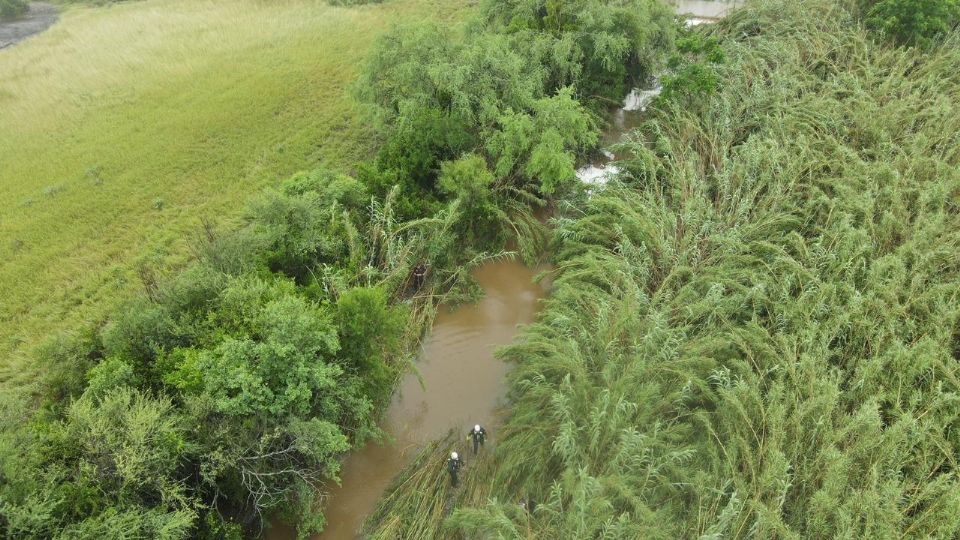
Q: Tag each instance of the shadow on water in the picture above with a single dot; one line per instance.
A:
(463, 384)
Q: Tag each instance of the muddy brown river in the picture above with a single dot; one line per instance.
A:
(463, 384)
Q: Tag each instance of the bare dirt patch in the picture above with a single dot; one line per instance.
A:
(40, 17)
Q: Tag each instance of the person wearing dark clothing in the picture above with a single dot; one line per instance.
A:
(479, 435)
(454, 464)
(419, 275)
(528, 505)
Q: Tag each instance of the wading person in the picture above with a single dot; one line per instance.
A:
(479, 435)
(453, 467)
(419, 275)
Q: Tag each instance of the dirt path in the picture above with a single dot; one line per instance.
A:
(40, 17)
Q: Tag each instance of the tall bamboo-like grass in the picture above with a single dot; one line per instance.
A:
(122, 126)
(754, 332)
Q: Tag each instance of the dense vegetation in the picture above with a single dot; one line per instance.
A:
(228, 393)
(233, 387)
(753, 332)
(515, 95)
(11, 9)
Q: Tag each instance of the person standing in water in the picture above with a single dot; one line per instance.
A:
(454, 464)
(419, 275)
(479, 435)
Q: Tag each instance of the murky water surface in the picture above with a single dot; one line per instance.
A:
(463, 384)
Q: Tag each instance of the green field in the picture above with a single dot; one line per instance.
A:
(122, 128)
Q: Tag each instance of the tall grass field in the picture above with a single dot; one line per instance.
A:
(122, 128)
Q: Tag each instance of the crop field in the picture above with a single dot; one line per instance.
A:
(123, 128)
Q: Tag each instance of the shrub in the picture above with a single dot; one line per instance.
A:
(912, 22)
(693, 72)
(296, 223)
(370, 332)
(597, 48)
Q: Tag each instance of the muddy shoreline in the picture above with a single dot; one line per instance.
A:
(40, 17)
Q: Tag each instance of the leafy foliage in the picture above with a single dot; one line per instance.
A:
(371, 332)
(111, 464)
(598, 48)
(692, 72)
(912, 22)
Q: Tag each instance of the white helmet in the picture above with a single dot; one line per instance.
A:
(476, 427)
(453, 455)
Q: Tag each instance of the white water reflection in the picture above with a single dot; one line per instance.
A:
(697, 21)
(705, 9)
(637, 99)
(597, 174)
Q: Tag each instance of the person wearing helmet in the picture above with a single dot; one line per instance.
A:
(453, 467)
(479, 435)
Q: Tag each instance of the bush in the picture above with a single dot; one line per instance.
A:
(693, 71)
(296, 224)
(597, 48)
(111, 464)
(919, 23)
(370, 333)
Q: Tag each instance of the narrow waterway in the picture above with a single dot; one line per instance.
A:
(462, 384)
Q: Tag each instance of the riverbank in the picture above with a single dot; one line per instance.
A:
(267, 360)
(420, 500)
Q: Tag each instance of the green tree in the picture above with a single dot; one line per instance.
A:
(913, 22)
(113, 464)
(597, 48)
(371, 332)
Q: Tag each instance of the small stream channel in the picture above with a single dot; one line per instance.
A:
(462, 383)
